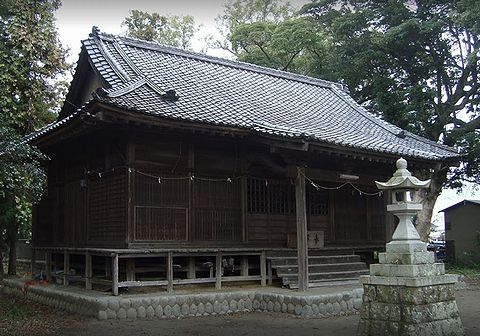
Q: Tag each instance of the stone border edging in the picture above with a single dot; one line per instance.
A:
(143, 306)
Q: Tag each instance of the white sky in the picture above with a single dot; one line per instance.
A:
(76, 18)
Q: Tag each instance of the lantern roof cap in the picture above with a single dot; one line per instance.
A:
(402, 179)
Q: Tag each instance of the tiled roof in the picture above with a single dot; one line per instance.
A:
(223, 92)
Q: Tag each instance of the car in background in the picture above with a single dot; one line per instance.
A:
(438, 247)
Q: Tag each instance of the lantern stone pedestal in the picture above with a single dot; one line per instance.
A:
(407, 293)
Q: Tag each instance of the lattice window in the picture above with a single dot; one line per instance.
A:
(270, 196)
(317, 201)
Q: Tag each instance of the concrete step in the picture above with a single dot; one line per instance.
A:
(328, 283)
(311, 252)
(292, 261)
(292, 279)
(319, 268)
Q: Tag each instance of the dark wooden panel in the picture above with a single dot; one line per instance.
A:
(43, 222)
(75, 213)
(168, 155)
(217, 158)
(217, 210)
(377, 218)
(108, 207)
(169, 192)
(350, 215)
(271, 230)
(160, 224)
(319, 223)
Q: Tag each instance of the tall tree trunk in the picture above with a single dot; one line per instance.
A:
(423, 221)
(12, 236)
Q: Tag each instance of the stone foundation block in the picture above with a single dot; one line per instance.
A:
(409, 311)
(415, 258)
(392, 270)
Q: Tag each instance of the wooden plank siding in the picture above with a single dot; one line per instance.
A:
(111, 196)
(108, 207)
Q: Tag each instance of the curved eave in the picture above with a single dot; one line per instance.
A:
(300, 141)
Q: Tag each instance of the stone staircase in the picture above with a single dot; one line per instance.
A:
(325, 267)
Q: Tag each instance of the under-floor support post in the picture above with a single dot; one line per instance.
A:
(33, 261)
(218, 271)
(66, 267)
(48, 265)
(244, 266)
(269, 273)
(170, 272)
(115, 274)
(191, 268)
(130, 264)
(88, 271)
(263, 268)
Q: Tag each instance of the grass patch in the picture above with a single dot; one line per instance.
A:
(471, 271)
(13, 311)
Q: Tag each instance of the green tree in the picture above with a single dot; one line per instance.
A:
(176, 31)
(268, 33)
(415, 63)
(293, 45)
(21, 183)
(243, 12)
(31, 60)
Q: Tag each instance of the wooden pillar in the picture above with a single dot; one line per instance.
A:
(48, 265)
(33, 261)
(263, 268)
(244, 266)
(115, 274)
(243, 190)
(302, 248)
(218, 271)
(269, 273)
(170, 272)
(130, 263)
(130, 158)
(191, 268)
(88, 271)
(66, 267)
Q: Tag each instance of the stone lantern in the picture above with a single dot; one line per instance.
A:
(402, 185)
(407, 293)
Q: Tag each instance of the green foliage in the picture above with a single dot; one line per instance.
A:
(31, 61)
(267, 33)
(294, 45)
(174, 30)
(469, 268)
(22, 180)
(414, 63)
(20, 170)
(239, 14)
(12, 310)
(30, 58)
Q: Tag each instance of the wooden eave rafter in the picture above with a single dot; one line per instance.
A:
(67, 131)
(104, 113)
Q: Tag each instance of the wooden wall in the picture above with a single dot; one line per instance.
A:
(86, 199)
(253, 208)
(105, 191)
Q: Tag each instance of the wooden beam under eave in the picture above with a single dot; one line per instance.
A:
(301, 211)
